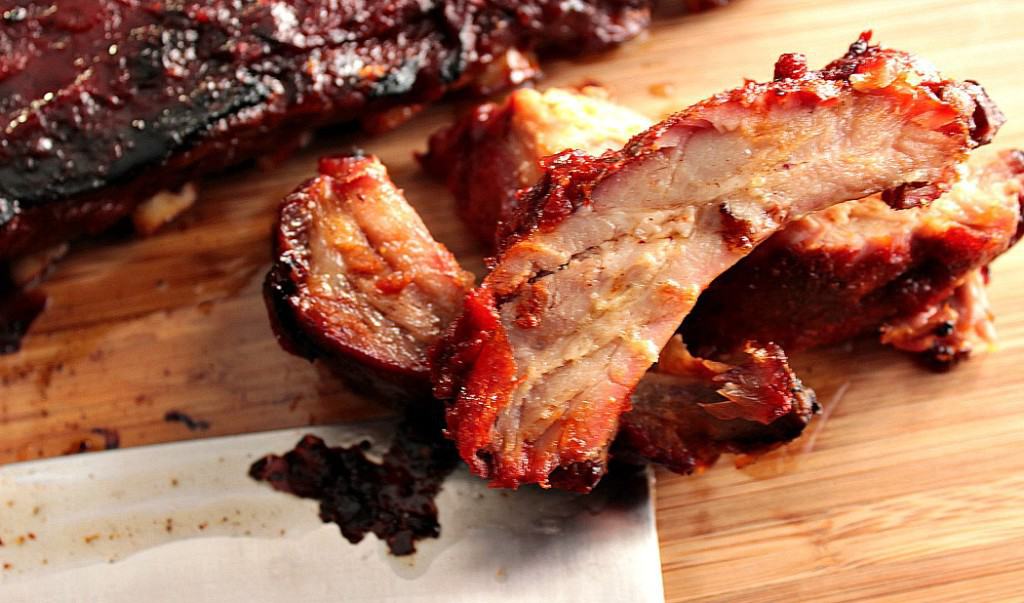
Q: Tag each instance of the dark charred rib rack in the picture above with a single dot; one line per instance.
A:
(104, 103)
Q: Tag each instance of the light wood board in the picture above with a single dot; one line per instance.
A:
(909, 488)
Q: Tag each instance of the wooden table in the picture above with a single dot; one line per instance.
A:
(909, 487)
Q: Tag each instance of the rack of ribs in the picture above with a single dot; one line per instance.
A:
(861, 267)
(103, 104)
(607, 255)
(358, 281)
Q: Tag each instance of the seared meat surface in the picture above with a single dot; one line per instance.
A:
(862, 266)
(608, 254)
(358, 278)
(495, 150)
(104, 103)
(857, 268)
(687, 411)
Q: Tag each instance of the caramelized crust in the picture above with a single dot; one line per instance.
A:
(687, 411)
(608, 254)
(359, 279)
(862, 266)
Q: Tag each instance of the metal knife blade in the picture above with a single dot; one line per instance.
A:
(183, 522)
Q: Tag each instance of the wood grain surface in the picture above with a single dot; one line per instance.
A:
(910, 486)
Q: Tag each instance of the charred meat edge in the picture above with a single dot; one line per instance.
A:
(688, 411)
(393, 498)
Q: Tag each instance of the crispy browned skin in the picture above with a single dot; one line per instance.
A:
(609, 254)
(357, 277)
(853, 269)
(687, 412)
(496, 149)
(104, 103)
(862, 267)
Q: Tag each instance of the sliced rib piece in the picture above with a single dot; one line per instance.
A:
(862, 266)
(358, 278)
(496, 149)
(688, 411)
(833, 275)
(610, 253)
(104, 103)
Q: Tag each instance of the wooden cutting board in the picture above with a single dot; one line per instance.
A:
(910, 486)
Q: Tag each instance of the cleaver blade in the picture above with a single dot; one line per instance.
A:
(183, 522)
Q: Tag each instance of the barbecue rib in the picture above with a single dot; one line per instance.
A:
(610, 253)
(104, 103)
(689, 411)
(862, 266)
(811, 284)
(357, 277)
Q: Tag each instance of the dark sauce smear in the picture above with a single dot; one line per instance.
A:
(18, 310)
(394, 499)
(176, 416)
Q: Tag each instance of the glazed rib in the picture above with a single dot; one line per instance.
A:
(104, 103)
(610, 253)
(688, 412)
(358, 279)
(858, 268)
(862, 267)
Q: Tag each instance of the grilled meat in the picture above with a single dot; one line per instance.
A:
(359, 279)
(335, 237)
(105, 103)
(687, 411)
(347, 237)
(862, 266)
(496, 149)
(609, 253)
(853, 269)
